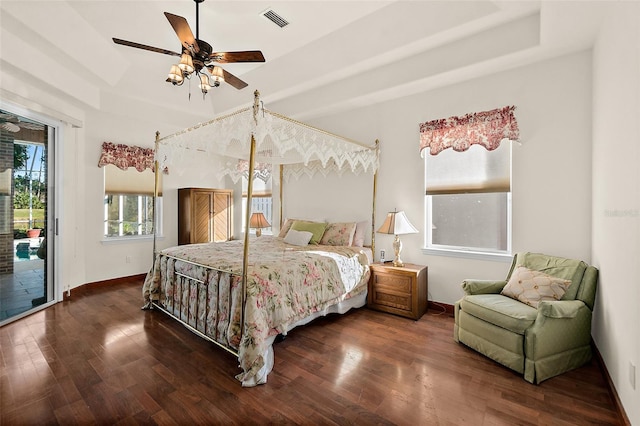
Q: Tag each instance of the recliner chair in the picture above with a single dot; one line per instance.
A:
(538, 342)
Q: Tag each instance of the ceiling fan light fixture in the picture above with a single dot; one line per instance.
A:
(186, 63)
(175, 76)
(218, 76)
(204, 83)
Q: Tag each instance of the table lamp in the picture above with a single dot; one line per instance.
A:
(397, 224)
(258, 221)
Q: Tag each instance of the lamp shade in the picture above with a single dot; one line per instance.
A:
(217, 74)
(175, 75)
(258, 221)
(204, 83)
(186, 63)
(397, 223)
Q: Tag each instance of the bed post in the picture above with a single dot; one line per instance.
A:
(156, 176)
(245, 258)
(373, 211)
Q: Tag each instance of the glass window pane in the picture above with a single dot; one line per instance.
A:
(473, 221)
(130, 215)
(136, 211)
(113, 209)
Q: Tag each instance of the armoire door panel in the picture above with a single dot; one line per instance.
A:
(221, 206)
(201, 217)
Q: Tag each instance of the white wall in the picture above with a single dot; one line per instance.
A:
(109, 259)
(330, 198)
(616, 198)
(551, 168)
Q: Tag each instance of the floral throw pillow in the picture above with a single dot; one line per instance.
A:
(531, 287)
(338, 234)
(285, 228)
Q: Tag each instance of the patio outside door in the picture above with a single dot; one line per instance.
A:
(26, 216)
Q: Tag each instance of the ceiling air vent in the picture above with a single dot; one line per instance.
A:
(271, 15)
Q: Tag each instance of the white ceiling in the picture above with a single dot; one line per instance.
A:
(334, 55)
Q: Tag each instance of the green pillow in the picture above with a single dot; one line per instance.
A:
(316, 228)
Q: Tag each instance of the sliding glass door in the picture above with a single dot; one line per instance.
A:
(27, 215)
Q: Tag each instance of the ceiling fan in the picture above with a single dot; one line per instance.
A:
(196, 55)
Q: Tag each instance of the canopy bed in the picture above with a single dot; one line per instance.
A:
(241, 294)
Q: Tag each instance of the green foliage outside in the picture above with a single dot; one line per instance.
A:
(20, 156)
(21, 201)
(27, 193)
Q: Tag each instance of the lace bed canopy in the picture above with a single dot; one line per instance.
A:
(253, 139)
(279, 140)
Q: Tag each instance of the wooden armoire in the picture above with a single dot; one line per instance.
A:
(204, 215)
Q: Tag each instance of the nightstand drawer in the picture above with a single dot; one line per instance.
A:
(393, 282)
(387, 297)
(398, 290)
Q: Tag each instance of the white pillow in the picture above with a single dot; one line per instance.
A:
(531, 287)
(298, 238)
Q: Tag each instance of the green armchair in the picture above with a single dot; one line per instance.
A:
(538, 342)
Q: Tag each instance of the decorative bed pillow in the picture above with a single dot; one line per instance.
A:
(358, 237)
(298, 238)
(316, 228)
(285, 227)
(531, 287)
(338, 234)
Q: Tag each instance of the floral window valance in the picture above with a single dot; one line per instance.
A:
(125, 156)
(487, 128)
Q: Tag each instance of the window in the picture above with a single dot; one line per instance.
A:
(128, 202)
(261, 201)
(468, 200)
(128, 215)
(468, 181)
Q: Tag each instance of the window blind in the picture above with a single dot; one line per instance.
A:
(472, 171)
(129, 181)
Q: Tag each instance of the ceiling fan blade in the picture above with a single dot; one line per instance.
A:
(233, 80)
(144, 46)
(183, 30)
(229, 78)
(10, 127)
(229, 57)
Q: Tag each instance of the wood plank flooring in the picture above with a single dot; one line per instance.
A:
(98, 359)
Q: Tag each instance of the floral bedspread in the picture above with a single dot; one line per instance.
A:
(285, 284)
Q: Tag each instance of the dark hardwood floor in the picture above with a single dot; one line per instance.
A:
(98, 359)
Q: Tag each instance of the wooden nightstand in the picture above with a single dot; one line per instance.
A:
(400, 291)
